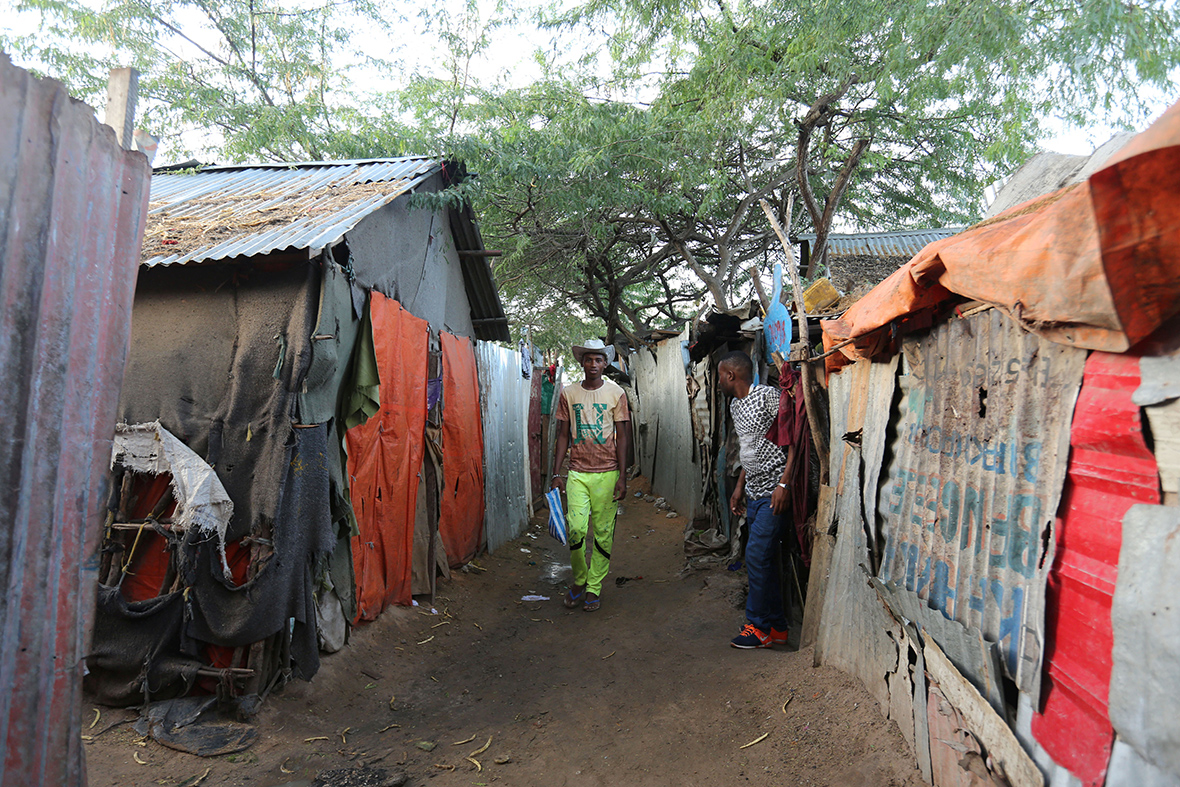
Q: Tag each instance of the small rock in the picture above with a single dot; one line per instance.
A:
(670, 515)
(426, 745)
(503, 759)
(660, 501)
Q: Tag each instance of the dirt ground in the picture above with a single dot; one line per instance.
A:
(645, 691)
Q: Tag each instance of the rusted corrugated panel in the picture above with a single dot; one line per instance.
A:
(504, 402)
(224, 212)
(72, 207)
(978, 463)
(1110, 469)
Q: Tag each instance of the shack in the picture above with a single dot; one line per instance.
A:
(995, 557)
(302, 366)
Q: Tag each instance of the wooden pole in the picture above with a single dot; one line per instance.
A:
(122, 93)
(807, 371)
(757, 279)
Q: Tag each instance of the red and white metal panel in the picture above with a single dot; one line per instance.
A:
(72, 210)
(1111, 468)
(978, 461)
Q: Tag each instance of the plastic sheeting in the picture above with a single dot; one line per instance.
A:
(1096, 265)
(461, 505)
(384, 456)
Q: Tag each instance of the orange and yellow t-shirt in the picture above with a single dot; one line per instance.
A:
(592, 416)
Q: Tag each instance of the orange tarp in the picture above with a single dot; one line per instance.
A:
(384, 459)
(1094, 265)
(461, 511)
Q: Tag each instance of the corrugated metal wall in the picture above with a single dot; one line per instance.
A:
(72, 210)
(504, 403)
(979, 457)
(665, 445)
(1110, 470)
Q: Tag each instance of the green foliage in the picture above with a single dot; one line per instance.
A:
(260, 78)
(623, 183)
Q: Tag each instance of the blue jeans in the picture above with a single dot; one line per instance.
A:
(764, 604)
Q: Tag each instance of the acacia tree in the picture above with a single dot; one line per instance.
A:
(894, 111)
(261, 79)
(624, 197)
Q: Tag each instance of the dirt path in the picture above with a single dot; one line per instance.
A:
(645, 691)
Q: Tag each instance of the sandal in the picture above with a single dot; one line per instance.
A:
(571, 601)
(592, 604)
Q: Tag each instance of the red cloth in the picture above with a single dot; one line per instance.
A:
(384, 460)
(461, 508)
(790, 428)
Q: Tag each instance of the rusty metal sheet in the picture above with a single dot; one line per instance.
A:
(979, 458)
(72, 210)
(899, 243)
(504, 405)
(854, 629)
(224, 212)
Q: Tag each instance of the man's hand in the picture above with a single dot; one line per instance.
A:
(620, 487)
(737, 505)
(780, 499)
(558, 482)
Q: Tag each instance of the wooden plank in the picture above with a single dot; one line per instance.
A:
(981, 720)
(821, 557)
(122, 93)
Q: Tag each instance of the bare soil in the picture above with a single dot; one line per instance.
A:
(645, 691)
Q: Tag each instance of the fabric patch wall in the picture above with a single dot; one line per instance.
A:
(462, 506)
(979, 457)
(384, 456)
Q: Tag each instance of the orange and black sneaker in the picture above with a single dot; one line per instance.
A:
(751, 637)
(778, 637)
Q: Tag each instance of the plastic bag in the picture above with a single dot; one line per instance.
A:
(557, 527)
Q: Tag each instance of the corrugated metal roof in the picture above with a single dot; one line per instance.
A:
(72, 207)
(224, 212)
(901, 243)
(977, 468)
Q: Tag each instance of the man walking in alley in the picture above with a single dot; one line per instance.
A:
(766, 470)
(590, 420)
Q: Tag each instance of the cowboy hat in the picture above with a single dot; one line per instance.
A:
(593, 346)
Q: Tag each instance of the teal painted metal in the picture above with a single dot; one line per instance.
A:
(978, 463)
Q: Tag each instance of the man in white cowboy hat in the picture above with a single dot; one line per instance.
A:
(590, 415)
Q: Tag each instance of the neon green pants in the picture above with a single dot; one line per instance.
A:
(591, 495)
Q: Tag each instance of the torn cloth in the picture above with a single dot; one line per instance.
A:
(201, 499)
(790, 428)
